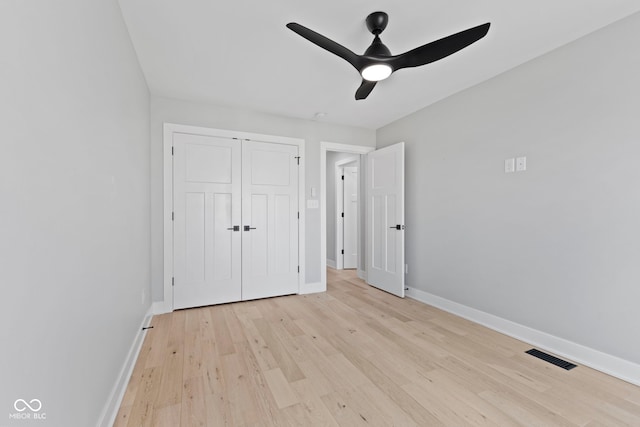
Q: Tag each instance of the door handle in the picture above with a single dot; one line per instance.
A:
(234, 228)
(247, 228)
(398, 227)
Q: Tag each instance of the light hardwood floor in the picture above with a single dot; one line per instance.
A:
(355, 356)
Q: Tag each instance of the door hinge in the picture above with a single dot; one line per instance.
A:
(298, 215)
(298, 269)
(343, 252)
(173, 216)
(297, 159)
(173, 281)
(342, 214)
(172, 150)
(343, 177)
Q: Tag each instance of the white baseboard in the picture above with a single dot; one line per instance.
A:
(331, 263)
(110, 411)
(312, 288)
(362, 274)
(603, 362)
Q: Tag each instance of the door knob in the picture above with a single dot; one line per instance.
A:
(247, 228)
(234, 228)
(398, 227)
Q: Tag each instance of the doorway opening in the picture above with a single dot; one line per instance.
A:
(333, 159)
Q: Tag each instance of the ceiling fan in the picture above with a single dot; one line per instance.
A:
(377, 63)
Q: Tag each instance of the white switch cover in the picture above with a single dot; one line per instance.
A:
(313, 204)
(509, 165)
(521, 164)
(313, 191)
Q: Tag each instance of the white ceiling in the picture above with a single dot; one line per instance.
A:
(240, 54)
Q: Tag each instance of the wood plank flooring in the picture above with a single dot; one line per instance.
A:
(355, 356)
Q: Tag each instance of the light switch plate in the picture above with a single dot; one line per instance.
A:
(521, 164)
(510, 165)
(313, 204)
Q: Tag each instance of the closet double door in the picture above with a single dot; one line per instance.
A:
(235, 221)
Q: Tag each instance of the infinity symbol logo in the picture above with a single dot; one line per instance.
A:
(21, 405)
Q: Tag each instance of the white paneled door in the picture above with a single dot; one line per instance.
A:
(350, 223)
(385, 219)
(223, 187)
(207, 191)
(269, 219)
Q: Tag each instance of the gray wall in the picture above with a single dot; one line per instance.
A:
(332, 158)
(554, 248)
(197, 114)
(74, 179)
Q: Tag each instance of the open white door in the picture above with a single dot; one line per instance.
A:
(385, 219)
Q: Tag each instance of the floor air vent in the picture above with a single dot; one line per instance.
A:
(551, 359)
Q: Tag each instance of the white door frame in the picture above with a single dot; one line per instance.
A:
(168, 130)
(339, 184)
(324, 147)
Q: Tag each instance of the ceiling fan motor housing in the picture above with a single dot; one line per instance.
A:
(377, 22)
(377, 48)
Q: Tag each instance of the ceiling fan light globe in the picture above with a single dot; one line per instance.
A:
(376, 72)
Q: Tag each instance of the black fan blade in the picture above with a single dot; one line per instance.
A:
(365, 89)
(439, 49)
(325, 43)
